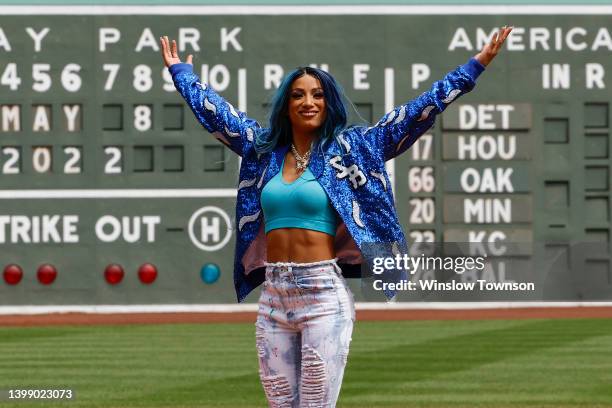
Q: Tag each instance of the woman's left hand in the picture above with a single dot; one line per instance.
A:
(170, 54)
(490, 50)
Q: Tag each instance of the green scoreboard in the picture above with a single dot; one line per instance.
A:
(112, 193)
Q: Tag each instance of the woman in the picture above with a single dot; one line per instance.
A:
(313, 195)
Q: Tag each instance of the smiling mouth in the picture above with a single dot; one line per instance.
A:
(308, 114)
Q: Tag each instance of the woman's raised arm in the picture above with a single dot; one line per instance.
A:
(400, 128)
(233, 128)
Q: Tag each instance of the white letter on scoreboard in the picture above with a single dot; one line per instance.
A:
(108, 35)
(473, 208)
(569, 39)
(468, 117)
(72, 113)
(602, 39)
(4, 42)
(114, 224)
(131, 228)
(420, 73)
(11, 118)
(41, 120)
(539, 35)
(360, 74)
(595, 75)
(505, 115)
(20, 226)
(151, 221)
(210, 229)
(4, 221)
(147, 40)
(273, 74)
(466, 148)
(37, 37)
(70, 228)
(469, 180)
(49, 228)
(189, 35)
(460, 40)
(230, 38)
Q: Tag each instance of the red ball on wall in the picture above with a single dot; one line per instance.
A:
(12, 274)
(113, 274)
(46, 274)
(147, 273)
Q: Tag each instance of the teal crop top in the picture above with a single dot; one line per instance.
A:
(299, 204)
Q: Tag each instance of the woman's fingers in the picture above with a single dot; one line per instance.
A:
(174, 50)
(494, 39)
(166, 46)
(170, 53)
(164, 50)
(500, 37)
(507, 33)
(504, 32)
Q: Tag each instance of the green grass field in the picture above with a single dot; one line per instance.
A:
(491, 363)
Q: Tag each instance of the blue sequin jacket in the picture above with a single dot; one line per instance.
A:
(357, 184)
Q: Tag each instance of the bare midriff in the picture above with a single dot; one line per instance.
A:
(299, 245)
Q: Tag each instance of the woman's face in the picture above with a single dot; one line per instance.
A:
(307, 109)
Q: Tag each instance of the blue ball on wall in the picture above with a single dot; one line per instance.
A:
(210, 273)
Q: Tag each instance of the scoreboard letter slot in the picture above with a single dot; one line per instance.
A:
(112, 117)
(143, 158)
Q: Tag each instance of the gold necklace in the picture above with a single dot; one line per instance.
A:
(300, 161)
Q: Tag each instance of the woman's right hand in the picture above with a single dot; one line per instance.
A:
(170, 54)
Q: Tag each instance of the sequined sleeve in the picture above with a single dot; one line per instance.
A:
(233, 128)
(400, 128)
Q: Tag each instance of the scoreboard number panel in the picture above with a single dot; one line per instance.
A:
(101, 162)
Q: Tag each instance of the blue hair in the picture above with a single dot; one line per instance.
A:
(279, 129)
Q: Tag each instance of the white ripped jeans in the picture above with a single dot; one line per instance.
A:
(303, 332)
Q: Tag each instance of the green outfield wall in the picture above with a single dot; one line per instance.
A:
(102, 163)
